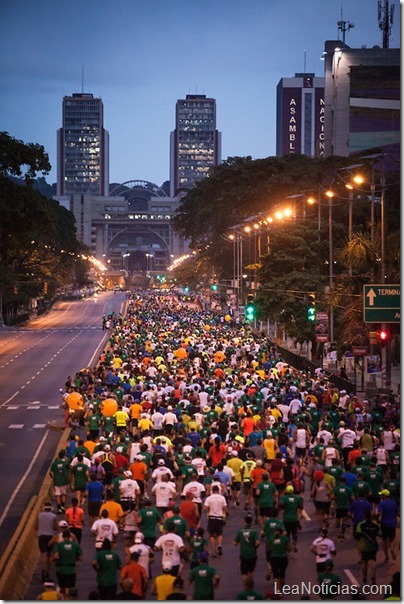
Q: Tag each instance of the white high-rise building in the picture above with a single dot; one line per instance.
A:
(82, 147)
(195, 144)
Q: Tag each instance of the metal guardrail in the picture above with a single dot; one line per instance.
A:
(303, 364)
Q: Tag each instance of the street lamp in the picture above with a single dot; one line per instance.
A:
(330, 195)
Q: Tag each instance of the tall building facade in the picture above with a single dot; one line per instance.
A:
(362, 99)
(82, 147)
(300, 115)
(195, 144)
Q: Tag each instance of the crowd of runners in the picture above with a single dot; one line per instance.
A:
(188, 415)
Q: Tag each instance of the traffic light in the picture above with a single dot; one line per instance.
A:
(250, 309)
(311, 310)
(214, 286)
(383, 336)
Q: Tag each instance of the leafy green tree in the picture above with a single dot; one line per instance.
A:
(39, 250)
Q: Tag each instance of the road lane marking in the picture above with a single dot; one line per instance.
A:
(39, 426)
(351, 577)
(10, 399)
(23, 479)
(13, 407)
(34, 407)
(16, 426)
(305, 515)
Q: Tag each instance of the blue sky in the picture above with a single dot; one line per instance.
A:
(140, 56)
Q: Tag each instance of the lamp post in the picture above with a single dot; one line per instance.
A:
(330, 195)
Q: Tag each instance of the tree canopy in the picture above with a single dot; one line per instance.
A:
(38, 242)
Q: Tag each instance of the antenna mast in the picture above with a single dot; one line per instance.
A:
(386, 17)
(344, 26)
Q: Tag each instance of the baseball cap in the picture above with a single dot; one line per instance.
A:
(234, 453)
(139, 537)
(128, 474)
(49, 584)
(203, 556)
(107, 448)
(385, 492)
(289, 489)
(139, 457)
(161, 462)
(63, 524)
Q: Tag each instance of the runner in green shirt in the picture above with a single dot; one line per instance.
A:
(66, 553)
(292, 506)
(205, 579)
(267, 494)
(248, 592)
(198, 544)
(59, 472)
(148, 518)
(249, 541)
(181, 527)
(343, 498)
(271, 525)
(329, 582)
(106, 563)
(279, 559)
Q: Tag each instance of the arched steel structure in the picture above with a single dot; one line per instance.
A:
(129, 189)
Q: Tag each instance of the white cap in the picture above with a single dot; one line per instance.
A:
(63, 524)
(234, 453)
(128, 474)
(139, 537)
(161, 462)
(107, 448)
(169, 408)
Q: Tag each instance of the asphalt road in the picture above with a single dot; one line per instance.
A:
(35, 360)
(301, 568)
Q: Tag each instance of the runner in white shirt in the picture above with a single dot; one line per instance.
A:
(172, 546)
(161, 471)
(129, 490)
(196, 488)
(324, 549)
(104, 528)
(216, 507)
(145, 552)
(164, 491)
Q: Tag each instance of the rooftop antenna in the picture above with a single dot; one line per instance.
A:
(82, 80)
(386, 17)
(304, 62)
(344, 26)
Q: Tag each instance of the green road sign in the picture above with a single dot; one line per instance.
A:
(381, 303)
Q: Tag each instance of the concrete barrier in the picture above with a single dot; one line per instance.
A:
(18, 563)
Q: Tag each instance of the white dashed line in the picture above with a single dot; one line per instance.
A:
(33, 407)
(39, 426)
(16, 426)
(12, 408)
